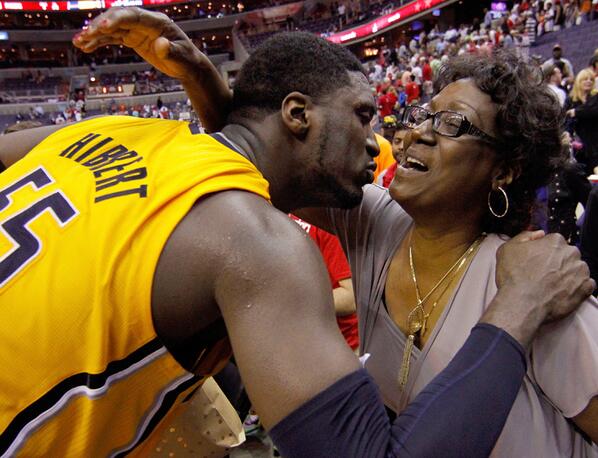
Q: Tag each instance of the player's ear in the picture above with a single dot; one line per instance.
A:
(295, 112)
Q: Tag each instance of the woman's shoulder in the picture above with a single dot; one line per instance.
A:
(378, 202)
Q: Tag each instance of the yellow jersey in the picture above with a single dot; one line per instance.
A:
(385, 159)
(84, 217)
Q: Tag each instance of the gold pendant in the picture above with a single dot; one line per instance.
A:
(424, 324)
(415, 319)
(404, 372)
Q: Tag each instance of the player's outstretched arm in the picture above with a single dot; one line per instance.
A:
(272, 289)
(160, 42)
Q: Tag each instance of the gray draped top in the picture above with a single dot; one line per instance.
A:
(562, 372)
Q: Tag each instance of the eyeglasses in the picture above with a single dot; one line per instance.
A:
(447, 123)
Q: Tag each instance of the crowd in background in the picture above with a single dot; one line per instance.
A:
(403, 74)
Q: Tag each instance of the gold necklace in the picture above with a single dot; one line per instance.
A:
(418, 318)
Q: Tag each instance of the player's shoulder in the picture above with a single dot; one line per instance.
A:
(124, 122)
(238, 225)
(243, 216)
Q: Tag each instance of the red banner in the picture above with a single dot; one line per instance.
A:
(78, 4)
(384, 22)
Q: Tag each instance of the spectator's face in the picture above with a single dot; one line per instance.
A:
(587, 83)
(557, 53)
(440, 174)
(557, 76)
(397, 144)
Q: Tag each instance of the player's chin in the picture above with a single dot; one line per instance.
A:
(349, 197)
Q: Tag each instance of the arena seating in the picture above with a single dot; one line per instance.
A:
(25, 89)
(578, 43)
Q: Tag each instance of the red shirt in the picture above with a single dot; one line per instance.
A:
(386, 103)
(338, 269)
(427, 72)
(412, 91)
(389, 175)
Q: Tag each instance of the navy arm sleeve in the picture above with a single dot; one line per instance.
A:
(460, 413)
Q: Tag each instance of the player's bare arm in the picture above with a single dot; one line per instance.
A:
(235, 250)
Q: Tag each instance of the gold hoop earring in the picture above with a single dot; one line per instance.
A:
(502, 215)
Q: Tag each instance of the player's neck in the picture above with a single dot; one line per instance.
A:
(268, 155)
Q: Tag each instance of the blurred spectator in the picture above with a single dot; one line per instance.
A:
(562, 63)
(487, 18)
(385, 158)
(401, 96)
(583, 112)
(553, 78)
(559, 16)
(387, 101)
(412, 91)
(593, 65)
(530, 27)
(589, 241)
(385, 178)
(568, 188)
(549, 16)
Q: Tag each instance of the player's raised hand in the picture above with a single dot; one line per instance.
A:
(154, 36)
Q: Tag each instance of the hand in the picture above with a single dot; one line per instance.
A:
(571, 113)
(154, 36)
(539, 279)
(566, 139)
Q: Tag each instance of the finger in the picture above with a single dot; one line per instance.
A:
(527, 236)
(81, 41)
(162, 48)
(582, 293)
(147, 22)
(114, 19)
(98, 43)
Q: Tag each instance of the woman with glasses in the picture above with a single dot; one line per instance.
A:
(423, 253)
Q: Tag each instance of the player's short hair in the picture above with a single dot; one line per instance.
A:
(288, 62)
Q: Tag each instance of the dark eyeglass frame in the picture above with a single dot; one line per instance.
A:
(466, 126)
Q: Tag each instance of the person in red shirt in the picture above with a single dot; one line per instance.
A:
(386, 102)
(385, 178)
(340, 279)
(426, 70)
(412, 91)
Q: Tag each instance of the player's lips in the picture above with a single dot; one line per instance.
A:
(370, 170)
